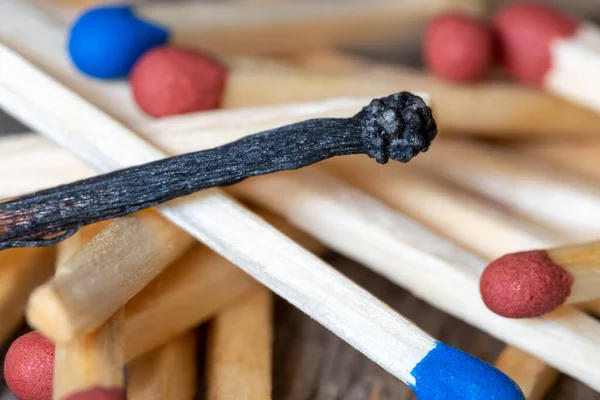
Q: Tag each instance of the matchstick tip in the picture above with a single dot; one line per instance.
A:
(28, 366)
(524, 285)
(525, 32)
(105, 42)
(451, 374)
(458, 48)
(168, 80)
(398, 126)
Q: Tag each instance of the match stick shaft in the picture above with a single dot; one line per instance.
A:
(91, 360)
(582, 261)
(239, 350)
(194, 289)
(127, 255)
(21, 270)
(544, 189)
(581, 157)
(168, 372)
(532, 375)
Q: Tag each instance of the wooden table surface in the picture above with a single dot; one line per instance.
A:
(312, 363)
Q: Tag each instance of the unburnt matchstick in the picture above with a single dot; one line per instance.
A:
(542, 46)
(544, 189)
(533, 283)
(239, 349)
(517, 110)
(137, 248)
(21, 270)
(92, 362)
(397, 127)
(167, 372)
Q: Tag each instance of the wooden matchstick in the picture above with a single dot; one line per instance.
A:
(544, 189)
(92, 360)
(239, 350)
(21, 270)
(559, 55)
(460, 110)
(288, 27)
(579, 156)
(104, 275)
(532, 375)
(242, 237)
(197, 287)
(168, 372)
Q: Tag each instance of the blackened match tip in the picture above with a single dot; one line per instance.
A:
(398, 126)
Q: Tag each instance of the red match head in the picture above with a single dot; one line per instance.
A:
(28, 367)
(98, 393)
(526, 284)
(525, 32)
(458, 48)
(169, 80)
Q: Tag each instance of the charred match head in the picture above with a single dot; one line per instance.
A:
(398, 126)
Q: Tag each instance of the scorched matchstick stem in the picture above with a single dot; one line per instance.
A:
(398, 127)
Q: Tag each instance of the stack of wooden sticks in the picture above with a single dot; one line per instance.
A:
(132, 291)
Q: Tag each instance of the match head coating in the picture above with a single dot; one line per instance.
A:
(98, 393)
(525, 32)
(398, 126)
(28, 367)
(524, 285)
(168, 80)
(105, 42)
(451, 374)
(458, 47)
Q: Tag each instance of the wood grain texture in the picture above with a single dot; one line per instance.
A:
(238, 361)
(21, 271)
(168, 372)
(105, 274)
(95, 359)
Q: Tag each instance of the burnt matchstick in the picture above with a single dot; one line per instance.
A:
(398, 127)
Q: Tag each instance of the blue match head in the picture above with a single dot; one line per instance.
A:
(105, 42)
(450, 374)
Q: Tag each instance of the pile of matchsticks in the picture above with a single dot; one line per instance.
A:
(131, 291)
